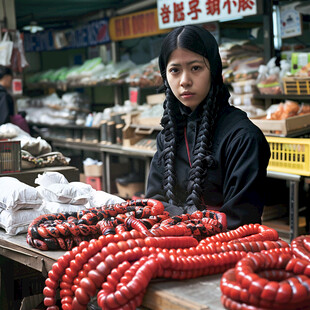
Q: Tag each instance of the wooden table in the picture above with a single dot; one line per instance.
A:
(195, 294)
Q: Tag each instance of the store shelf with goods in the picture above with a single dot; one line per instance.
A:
(139, 139)
(283, 97)
(287, 116)
(66, 132)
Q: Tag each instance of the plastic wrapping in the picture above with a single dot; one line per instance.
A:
(6, 48)
(268, 81)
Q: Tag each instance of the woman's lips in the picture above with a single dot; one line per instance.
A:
(186, 95)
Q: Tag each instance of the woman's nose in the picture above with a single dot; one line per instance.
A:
(185, 79)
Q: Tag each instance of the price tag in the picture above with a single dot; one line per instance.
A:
(17, 86)
(134, 95)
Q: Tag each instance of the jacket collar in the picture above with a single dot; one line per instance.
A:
(3, 88)
(187, 113)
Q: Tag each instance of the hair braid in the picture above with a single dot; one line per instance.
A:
(202, 158)
(169, 153)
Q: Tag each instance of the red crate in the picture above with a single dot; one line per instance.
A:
(95, 182)
(10, 156)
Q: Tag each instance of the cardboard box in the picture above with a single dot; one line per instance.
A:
(130, 136)
(283, 127)
(149, 121)
(93, 170)
(82, 178)
(155, 99)
(129, 190)
(145, 121)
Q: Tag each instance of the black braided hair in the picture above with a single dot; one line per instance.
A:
(168, 155)
(200, 41)
(202, 158)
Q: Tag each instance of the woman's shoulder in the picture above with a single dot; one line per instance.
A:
(230, 112)
(233, 120)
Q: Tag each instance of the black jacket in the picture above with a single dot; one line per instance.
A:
(6, 106)
(236, 184)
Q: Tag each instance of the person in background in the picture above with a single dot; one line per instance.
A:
(6, 100)
(209, 154)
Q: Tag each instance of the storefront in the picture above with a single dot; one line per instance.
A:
(89, 87)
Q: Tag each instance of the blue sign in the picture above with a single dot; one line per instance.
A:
(94, 33)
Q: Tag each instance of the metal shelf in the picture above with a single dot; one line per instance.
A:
(282, 97)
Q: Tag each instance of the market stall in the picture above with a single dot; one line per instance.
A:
(89, 89)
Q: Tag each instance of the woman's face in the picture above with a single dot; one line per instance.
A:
(6, 81)
(189, 77)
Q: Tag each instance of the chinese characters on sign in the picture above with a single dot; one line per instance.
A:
(135, 25)
(173, 13)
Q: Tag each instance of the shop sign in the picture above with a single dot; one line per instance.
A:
(290, 21)
(213, 28)
(173, 13)
(135, 25)
(94, 33)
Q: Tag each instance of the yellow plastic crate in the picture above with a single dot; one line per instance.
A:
(289, 155)
(296, 86)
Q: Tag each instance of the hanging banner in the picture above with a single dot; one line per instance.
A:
(94, 33)
(174, 13)
(135, 25)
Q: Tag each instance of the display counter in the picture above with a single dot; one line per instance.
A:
(107, 151)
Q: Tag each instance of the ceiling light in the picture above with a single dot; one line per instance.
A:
(33, 27)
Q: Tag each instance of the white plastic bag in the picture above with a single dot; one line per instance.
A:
(16, 195)
(101, 198)
(6, 48)
(76, 193)
(50, 177)
(17, 222)
(56, 207)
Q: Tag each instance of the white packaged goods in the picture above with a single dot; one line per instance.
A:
(56, 207)
(15, 195)
(101, 198)
(48, 178)
(17, 222)
(76, 193)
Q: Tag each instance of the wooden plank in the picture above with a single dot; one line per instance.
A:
(26, 257)
(17, 249)
(158, 300)
(193, 294)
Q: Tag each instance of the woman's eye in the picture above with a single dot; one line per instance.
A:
(195, 68)
(173, 70)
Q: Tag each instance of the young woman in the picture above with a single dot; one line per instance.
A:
(209, 154)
